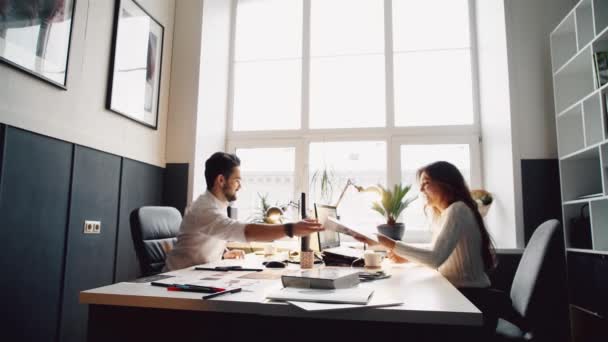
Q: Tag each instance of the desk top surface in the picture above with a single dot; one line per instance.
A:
(428, 298)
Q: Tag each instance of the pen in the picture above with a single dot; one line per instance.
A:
(195, 288)
(235, 290)
(228, 268)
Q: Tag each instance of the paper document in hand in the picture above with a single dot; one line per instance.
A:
(353, 295)
(337, 226)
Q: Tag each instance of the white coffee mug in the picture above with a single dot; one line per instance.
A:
(268, 249)
(372, 259)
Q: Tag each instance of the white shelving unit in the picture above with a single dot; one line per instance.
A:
(582, 124)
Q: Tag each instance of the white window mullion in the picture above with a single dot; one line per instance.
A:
(302, 170)
(230, 95)
(388, 59)
(305, 66)
(474, 64)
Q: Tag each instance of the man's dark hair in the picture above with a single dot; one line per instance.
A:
(220, 163)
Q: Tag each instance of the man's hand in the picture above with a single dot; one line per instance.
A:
(396, 258)
(234, 254)
(306, 227)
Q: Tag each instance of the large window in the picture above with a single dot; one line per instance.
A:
(327, 91)
(267, 175)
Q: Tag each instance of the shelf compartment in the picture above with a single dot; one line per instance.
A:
(599, 224)
(588, 280)
(600, 9)
(578, 233)
(592, 109)
(581, 175)
(570, 131)
(584, 23)
(563, 43)
(575, 80)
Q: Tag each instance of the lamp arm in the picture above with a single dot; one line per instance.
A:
(349, 182)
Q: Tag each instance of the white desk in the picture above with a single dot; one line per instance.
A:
(429, 301)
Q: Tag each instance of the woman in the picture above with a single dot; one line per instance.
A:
(461, 250)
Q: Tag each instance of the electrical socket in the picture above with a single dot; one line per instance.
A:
(92, 227)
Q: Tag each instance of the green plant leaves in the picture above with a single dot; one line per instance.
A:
(392, 202)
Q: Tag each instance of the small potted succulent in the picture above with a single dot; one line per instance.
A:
(483, 199)
(391, 205)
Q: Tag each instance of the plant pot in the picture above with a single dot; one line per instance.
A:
(394, 231)
(483, 209)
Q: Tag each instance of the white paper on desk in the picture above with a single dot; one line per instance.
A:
(353, 295)
(311, 306)
(333, 224)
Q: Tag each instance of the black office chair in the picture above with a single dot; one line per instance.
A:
(538, 308)
(154, 231)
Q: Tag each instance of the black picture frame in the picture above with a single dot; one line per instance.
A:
(136, 65)
(40, 41)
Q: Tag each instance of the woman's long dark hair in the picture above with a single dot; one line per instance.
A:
(454, 188)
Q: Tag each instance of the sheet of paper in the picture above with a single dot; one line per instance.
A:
(353, 295)
(312, 306)
(337, 226)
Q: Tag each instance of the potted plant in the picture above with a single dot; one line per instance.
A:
(483, 199)
(322, 183)
(391, 205)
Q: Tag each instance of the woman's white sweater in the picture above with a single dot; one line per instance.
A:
(456, 248)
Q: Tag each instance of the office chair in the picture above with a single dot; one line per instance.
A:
(154, 231)
(537, 310)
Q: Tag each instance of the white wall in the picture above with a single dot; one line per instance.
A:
(517, 115)
(78, 115)
(213, 87)
(529, 24)
(199, 91)
(181, 131)
(495, 119)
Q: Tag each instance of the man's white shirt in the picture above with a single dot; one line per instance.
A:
(203, 233)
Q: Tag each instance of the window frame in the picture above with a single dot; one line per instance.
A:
(393, 136)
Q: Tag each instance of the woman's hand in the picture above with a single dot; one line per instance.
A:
(386, 241)
(234, 254)
(396, 258)
(365, 240)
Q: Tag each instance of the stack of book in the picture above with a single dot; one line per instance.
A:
(322, 278)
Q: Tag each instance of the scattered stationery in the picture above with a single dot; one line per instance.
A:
(228, 268)
(213, 295)
(353, 295)
(369, 276)
(195, 288)
(322, 278)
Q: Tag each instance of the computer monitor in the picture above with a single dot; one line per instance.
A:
(327, 239)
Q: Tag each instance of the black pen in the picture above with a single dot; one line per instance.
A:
(228, 268)
(235, 290)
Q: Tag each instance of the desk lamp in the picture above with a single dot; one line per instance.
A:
(350, 182)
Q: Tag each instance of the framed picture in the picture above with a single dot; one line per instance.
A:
(134, 86)
(35, 37)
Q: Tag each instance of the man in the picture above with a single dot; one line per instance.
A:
(206, 227)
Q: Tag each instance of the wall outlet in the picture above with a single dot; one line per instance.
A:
(92, 227)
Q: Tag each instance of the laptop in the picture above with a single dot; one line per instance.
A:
(329, 241)
(326, 239)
